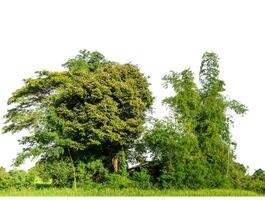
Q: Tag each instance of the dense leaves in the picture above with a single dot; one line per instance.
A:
(16, 179)
(194, 145)
(96, 105)
(86, 126)
(177, 155)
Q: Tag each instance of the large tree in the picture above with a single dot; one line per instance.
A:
(92, 110)
(215, 120)
(201, 113)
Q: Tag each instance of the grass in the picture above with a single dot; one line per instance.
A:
(127, 192)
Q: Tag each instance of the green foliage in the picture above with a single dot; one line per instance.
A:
(81, 121)
(5, 179)
(259, 174)
(238, 177)
(141, 179)
(16, 179)
(94, 171)
(257, 186)
(257, 181)
(2, 169)
(178, 155)
(117, 181)
(59, 171)
(214, 122)
(123, 163)
(86, 60)
(21, 179)
(193, 147)
(95, 106)
(185, 104)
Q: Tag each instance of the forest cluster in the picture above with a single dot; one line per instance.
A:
(91, 126)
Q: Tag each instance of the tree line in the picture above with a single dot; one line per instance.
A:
(90, 126)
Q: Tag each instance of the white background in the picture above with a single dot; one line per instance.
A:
(159, 36)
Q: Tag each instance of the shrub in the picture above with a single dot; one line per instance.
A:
(21, 179)
(257, 186)
(237, 175)
(141, 179)
(90, 173)
(256, 182)
(118, 181)
(179, 156)
(59, 171)
(5, 179)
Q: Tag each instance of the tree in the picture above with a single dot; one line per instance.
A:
(215, 120)
(92, 110)
(201, 114)
(185, 105)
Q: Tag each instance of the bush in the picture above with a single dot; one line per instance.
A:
(17, 179)
(141, 179)
(59, 171)
(5, 180)
(21, 179)
(90, 173)
(256, 182)
(179, 156)
(257, 186)
(237, 175)
(118, 181)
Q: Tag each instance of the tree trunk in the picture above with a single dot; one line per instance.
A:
(115, 163)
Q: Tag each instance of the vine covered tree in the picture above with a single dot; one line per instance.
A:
(215, 120)
(202, 116)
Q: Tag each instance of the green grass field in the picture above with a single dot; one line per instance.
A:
(128, 192)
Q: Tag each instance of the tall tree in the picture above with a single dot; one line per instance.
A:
(92, 110)
(185, 104)
(204, 112)
(215, 120)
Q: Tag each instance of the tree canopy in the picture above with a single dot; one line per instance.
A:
(93, 109)
(86, 125)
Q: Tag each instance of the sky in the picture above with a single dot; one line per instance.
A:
(157, 35)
